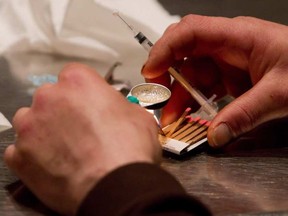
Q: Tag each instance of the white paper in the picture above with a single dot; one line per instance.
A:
(84, 29)
(179, 148)
(4, 123)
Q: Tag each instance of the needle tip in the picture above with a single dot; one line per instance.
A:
(115, 13)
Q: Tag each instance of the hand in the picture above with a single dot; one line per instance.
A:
(244, 57)
(76, 132)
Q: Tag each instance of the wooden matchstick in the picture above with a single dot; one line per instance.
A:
(167, 128)
(190, 123)
(201, 135)
(198, 137)
(170, 126)
(201, 127)
(190, 130)
(179, 121)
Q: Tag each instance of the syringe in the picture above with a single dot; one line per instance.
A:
(208, 106)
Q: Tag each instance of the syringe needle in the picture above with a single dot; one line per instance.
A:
(139, 36)
(116, 13)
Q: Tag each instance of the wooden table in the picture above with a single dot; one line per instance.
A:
(245, 179)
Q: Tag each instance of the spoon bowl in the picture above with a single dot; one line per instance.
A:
(151, 95)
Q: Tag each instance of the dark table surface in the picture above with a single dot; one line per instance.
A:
(248, 178)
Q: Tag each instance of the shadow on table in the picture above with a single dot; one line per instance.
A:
(269, 140)
(23, 196)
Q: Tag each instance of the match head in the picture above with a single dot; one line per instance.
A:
(208, 123)
(188, 109)
(202, 122)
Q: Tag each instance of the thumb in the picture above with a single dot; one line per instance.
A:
(264, 102)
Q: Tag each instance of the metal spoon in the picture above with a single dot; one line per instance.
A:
(151, 95)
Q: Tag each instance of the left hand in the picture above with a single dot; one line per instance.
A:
(77, 131)
(244, 57)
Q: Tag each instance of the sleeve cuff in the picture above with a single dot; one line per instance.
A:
(138, 188)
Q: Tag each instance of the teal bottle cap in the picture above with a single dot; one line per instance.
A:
(133, 99)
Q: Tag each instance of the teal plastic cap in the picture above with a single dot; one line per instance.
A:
(133, 99)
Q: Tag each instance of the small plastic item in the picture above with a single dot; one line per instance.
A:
(41, 79)
(133, 99)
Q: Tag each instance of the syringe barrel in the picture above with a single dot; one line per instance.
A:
(143, 41)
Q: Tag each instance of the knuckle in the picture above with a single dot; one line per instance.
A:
(245, 18)
(170, 28)
(18, 116)
(242, 120)
(70, 74)
(20, 120)
(187, 18)
(250, 22)
(74, 73)
(42, 95)
(278, 96)
(192, 19)
(70, 69)
(249, 117)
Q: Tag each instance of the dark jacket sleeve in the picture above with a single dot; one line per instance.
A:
(140, 189)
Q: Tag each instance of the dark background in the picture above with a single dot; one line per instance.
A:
(273, 10)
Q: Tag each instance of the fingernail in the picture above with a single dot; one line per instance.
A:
(221, 135)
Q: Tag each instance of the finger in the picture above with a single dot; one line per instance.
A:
(202, 73)
(11, 158)
(164, 79)
(41, 96)
(20, 121)
(201, 36)
(75, 73)
(264, 102)
(171, 28)
(79, 77)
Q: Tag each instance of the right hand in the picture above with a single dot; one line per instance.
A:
(75, 133)
(244, 57)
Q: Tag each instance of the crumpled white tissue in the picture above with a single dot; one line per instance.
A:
(4, 123)
(84, 29)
